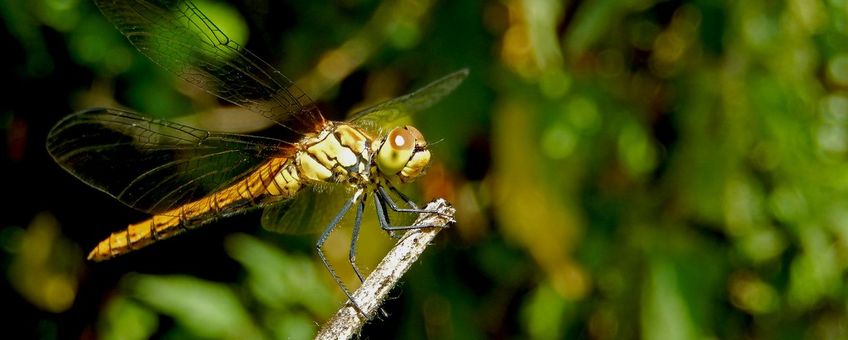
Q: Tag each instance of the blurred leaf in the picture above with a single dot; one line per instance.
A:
(751, 294)
(665, 313)
(61, 15)
(104, 53)
(207, 309)
(543, 313)
(280, 280)
(534, 214)
(542, 17)
(292, 326)
(124, 319)
(45, 266)
(636, 150)
(591, 21)
(814, 274)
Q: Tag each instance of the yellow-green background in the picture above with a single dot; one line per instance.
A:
(620, 168)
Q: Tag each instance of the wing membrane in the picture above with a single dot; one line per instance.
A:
(386, 112)
(312, 209)
(180, 38)
(153, 165)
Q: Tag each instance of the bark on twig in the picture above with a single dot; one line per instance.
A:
(347, 322)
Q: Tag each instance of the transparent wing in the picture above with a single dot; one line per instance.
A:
(311, 210)
(180, 38)
(378, 115)
(154, 165)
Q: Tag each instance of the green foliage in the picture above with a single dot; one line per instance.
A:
(279, 297)
(621, 169)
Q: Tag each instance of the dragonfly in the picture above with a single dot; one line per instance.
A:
(185, 177)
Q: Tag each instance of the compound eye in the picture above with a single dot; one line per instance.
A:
(395, 151)
(419, 138)
(402, 138)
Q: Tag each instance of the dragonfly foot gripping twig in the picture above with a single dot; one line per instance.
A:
(347, 322)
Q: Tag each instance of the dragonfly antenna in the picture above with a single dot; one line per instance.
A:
(436, 142)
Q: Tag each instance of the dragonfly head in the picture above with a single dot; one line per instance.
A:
(403, 153)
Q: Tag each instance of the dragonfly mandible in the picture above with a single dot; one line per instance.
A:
(187, 177)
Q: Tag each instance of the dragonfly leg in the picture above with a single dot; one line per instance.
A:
(401, 195)
(354, 241)
(320, 244)
(382, 216)
(414, 209)
(360, 208)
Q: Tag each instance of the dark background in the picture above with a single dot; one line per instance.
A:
(620, 169)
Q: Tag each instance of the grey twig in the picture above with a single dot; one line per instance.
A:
(347, 322)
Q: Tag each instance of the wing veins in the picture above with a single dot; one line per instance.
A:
(270, 93)
(168, 165)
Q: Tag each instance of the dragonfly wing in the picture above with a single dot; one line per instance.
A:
(312, 209)
(154, 165)
(180, 38)
(379, 115)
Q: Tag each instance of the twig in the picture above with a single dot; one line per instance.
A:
(347, 322)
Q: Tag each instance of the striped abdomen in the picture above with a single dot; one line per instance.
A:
(278, 179)
(337, 154)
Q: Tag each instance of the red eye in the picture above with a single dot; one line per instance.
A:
(419, 138)
(401, 139)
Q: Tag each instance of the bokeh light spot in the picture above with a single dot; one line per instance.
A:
(558, 141)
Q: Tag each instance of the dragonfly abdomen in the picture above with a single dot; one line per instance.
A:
(274, 181)
(338, 154)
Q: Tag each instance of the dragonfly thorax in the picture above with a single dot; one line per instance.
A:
(338, 153)
(342, 153)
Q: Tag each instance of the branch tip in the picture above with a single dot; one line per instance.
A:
(348, 321)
